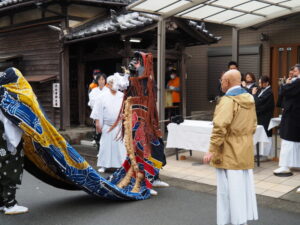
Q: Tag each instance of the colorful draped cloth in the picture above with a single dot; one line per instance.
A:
(142, 134)
(49, 156)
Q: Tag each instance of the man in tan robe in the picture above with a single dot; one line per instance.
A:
(231, 152)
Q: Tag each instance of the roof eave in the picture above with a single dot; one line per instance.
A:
(16, 5)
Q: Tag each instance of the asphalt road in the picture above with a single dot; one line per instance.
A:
(173, 206)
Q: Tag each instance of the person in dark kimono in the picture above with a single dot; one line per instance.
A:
(11, 166)
(264, 103)
(282, 81)
(290, 126)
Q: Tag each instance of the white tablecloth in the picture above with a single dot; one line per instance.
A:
(195, 135)
(274, 122)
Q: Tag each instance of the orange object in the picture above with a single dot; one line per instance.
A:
(275, 159)
(92, 86)
(175, 94)
(182, 157)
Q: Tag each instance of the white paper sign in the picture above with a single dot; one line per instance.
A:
(56, 95)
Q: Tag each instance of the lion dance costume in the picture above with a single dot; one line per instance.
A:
(142, 135)
(50, 158)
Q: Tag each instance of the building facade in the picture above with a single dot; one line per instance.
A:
(61, 42)
(266, 49)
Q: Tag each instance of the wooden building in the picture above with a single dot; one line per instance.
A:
(107, 44)
(62, 41)
(27, 42)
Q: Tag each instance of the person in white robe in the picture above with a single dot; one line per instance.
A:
(112, 151)
(96, 92)
(231, 152)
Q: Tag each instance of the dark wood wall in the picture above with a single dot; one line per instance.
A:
(40, 49)
(103, 54)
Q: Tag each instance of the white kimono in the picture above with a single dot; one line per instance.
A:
(236, 199)
(289, 154)
(112, 152)
(12, 134)
(95, 94)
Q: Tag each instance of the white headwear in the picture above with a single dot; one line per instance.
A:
(119, 82)
(122, 81)
(110, 79)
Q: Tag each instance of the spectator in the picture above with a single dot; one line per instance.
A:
(282, 81)
(96, 92)
(94, 83)
(264, 104)
(174, 86)
(249, 82)
(112, 152)
(94, 95)
(232, 65)
(289, 126)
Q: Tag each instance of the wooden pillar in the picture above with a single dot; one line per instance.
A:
(11, 18)
(183, 78)
(126, 53)
(81, 87)
(161, 40)
(64, 9)
(65, 88)
(235, 44)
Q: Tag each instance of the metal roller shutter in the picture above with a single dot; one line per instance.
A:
(218, 58)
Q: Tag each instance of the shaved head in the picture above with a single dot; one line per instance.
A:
(231, 78)
(234, 76)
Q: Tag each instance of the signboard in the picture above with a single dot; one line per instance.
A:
(56, 95)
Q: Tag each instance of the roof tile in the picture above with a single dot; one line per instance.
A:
(127, 21)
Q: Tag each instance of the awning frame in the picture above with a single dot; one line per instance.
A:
(191, 5)
(184, 7)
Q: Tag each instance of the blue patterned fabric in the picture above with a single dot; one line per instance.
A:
(49, 151)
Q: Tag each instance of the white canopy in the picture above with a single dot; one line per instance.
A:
(236, 13)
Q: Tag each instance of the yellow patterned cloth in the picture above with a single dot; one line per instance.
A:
(40, 130)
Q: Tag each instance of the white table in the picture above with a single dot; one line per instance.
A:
(275, 122)
(195, 135)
